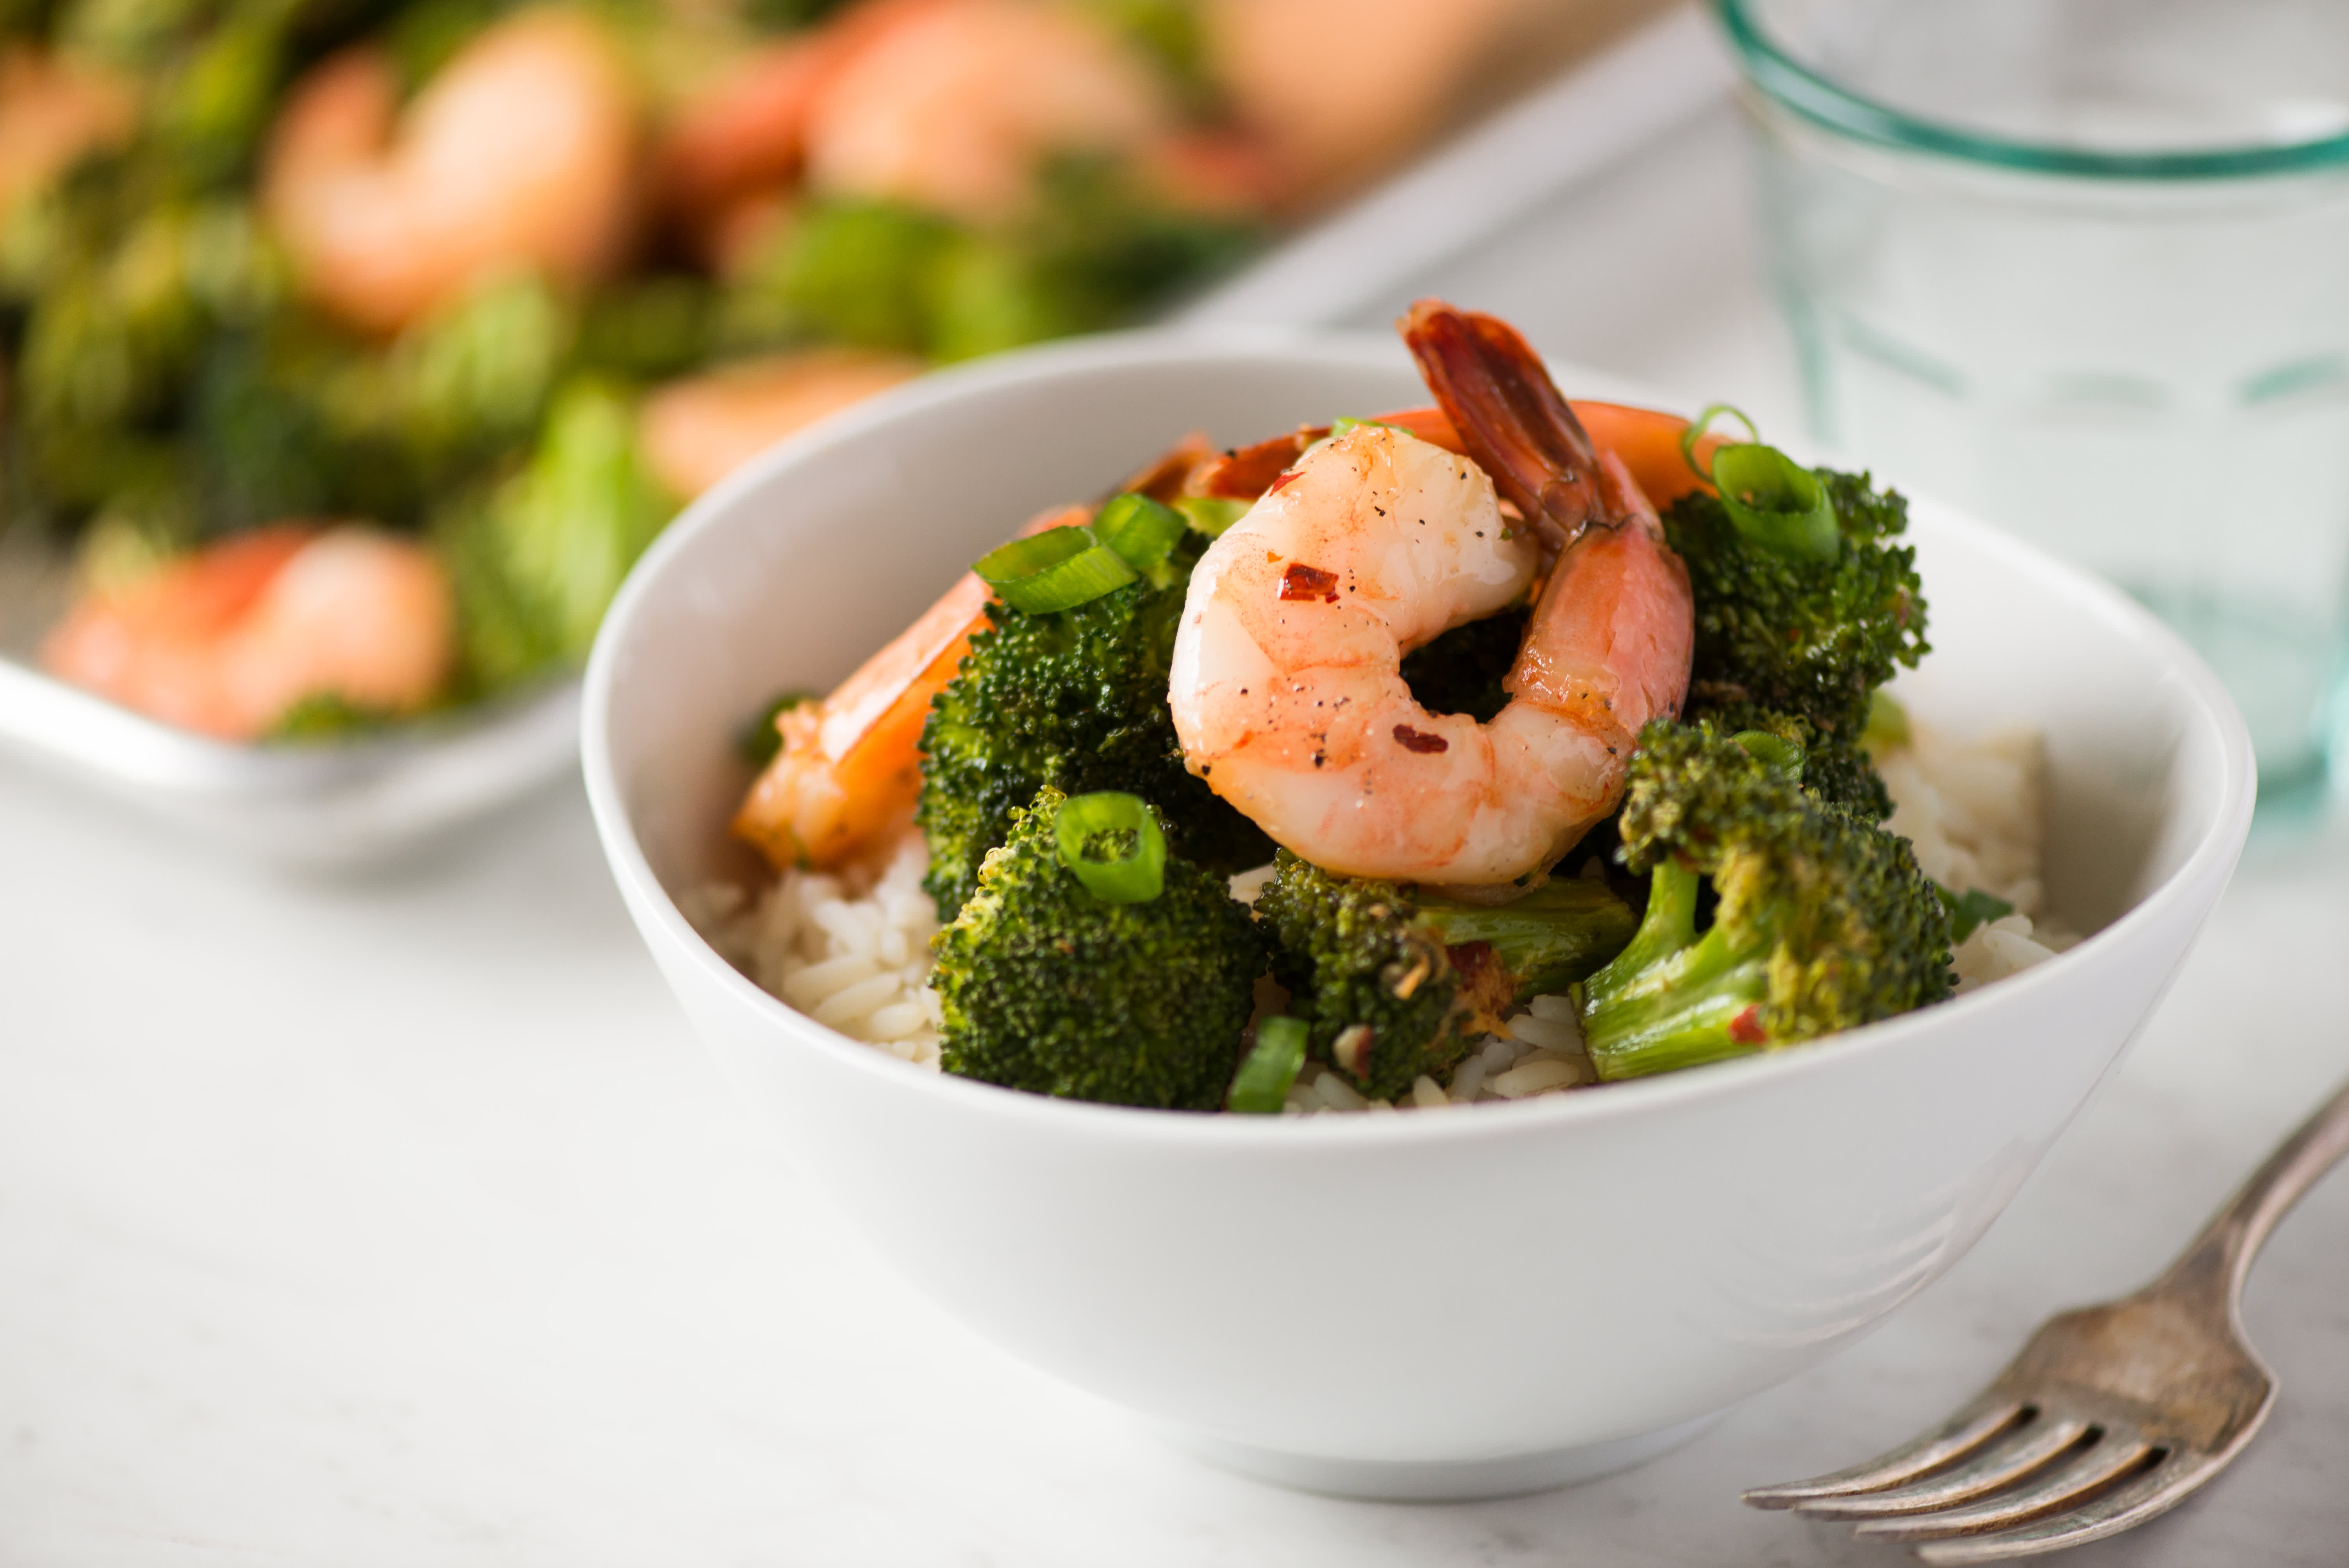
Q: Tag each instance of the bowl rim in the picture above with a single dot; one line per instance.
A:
(2213, 852)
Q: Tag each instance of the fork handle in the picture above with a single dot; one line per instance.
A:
(2221, 1255)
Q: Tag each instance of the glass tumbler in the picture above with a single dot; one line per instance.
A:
(2082, 266)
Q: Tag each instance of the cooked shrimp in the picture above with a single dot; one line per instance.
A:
(850, 770)
(1340, 88)
(1648, 440)
(742, 139)
(695, 431)
(227, 641)
(746, 133)
(517, 154)
(53, 112)
(1287, 689)
(952, 106)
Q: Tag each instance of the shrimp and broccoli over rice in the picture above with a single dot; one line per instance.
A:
(1491, 749)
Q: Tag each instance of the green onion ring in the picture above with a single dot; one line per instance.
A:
(1139, 874)
(1261, 1085)
(1211, 514)
(1770, 499)
(1139, 529)
(1701, 423)
(1776, 502)
(1058, 569)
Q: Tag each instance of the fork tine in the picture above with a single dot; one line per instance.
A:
(2124, 1507)
(2030, 1449)
(1967, 1431)
(2108, 1461)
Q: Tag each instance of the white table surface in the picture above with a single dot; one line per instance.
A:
(399, 1220)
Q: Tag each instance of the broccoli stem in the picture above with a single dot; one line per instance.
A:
(1551, 937)
(1673, 999)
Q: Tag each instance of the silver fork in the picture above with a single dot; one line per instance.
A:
(2111, 1415)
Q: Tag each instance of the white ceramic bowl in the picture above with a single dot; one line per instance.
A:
(1288, 1295)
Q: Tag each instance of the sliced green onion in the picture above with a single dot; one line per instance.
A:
(1776, 502)
(1113, 843)
(1340, 425)
(1703, 422)
(1058, 569)
(1770, 499)
(1970, 910)
(1139, 529)
(1771, 751)
(1211, 514)
(1261, 1085)
(759, 741)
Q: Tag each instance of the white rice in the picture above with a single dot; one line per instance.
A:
(1972, 811)
(851, 949)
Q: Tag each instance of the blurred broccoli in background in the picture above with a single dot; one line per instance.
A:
(854, 270)
(1395, 983)
(1094, 250)
(644, 329)
(1076, 699)
(1822, 920)
(1796, 647)
(1052, 988)
(27, 19)
(538, 558)
(468, 383)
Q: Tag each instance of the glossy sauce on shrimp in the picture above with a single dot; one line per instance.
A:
(1287, 691)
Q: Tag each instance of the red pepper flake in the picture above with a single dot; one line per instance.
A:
(1282, 483)
(1420, 740)
(1298, 580)
(1745, 1028)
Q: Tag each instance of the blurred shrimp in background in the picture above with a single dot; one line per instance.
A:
(500, 287)
(517, 156)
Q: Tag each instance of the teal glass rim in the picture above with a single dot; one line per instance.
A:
(1803, 91)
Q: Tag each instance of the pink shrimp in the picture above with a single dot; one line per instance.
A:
(953, 103)
(1287, 689)
(697, 430)
(732, 151)
(1340, 89)
(518, 154)
(227, 641)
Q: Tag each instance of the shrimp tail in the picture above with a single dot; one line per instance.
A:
(1510, 415)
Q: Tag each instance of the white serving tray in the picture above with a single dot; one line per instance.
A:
(369, 799)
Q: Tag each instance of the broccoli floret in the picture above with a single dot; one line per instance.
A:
(1076, 699)
(1836, 767)
(1051, 989)
(537, 559)
(1097, 246)
(1780, 639)
(852, 270)
(1822, 923)
(1394, 985)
